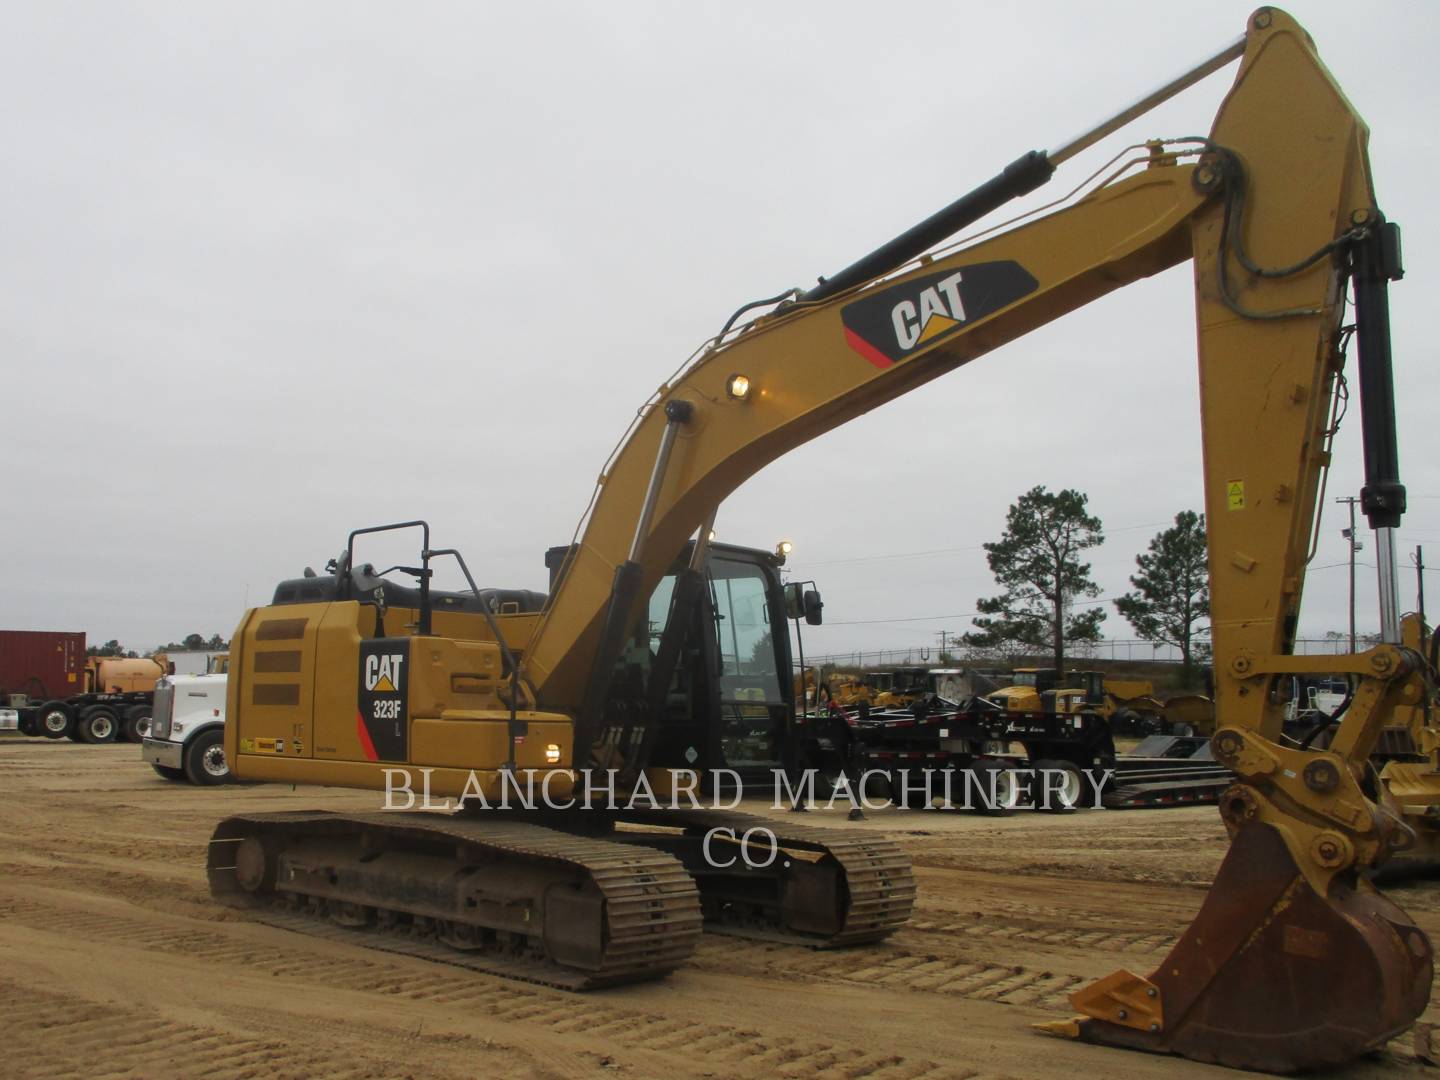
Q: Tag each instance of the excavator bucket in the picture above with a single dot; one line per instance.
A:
(1271, 975)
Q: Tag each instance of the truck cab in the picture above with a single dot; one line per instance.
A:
(187, 734)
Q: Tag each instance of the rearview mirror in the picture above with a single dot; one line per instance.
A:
(803, 603)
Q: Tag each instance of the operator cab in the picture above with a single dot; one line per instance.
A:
(731, 701)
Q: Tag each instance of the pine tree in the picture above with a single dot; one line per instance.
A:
(1172, 588)
(1036, 561)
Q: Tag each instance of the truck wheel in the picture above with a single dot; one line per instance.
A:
(829, 766)
(1065, 794)
(54, 720)
(912, 795)
(1125, 721)
(205, 758)
(979, 794)
(876, 786)
(169, 773)
(137, 723)
(98, 724)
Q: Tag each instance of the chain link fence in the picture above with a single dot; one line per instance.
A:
(1130, 650)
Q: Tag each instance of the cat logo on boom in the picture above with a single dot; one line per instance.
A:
(888, 325)
(941, 309)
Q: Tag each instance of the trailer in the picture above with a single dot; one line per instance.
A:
(1167, 770)
(963, 754)
(115, 701)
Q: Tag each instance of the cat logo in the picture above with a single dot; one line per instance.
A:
(940, 309)
(887, 325)
(382, 672)
(382, 713)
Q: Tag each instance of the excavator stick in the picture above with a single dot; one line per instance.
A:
(1271, 975)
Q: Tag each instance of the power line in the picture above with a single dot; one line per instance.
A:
(936, 618)
(916, 618)
(952, 550)
(1369, 566)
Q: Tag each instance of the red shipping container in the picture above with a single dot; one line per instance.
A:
(41, 664)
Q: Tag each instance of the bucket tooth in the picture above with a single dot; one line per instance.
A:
(1271, 975)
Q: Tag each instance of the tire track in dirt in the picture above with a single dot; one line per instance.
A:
(129, 847)
(143, 891)
(894, 967)
(1000, 927)
(997, 903)
(741, 1050)
(52, 1035)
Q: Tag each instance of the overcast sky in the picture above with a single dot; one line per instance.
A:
(270, 272)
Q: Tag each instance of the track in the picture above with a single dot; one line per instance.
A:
(640, 908)
(873, 884)
(114, 961)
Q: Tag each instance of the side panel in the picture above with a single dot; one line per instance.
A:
(337, 729)
(270, 704)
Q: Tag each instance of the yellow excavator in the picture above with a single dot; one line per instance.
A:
(1294, 960)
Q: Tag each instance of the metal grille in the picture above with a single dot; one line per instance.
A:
(164, 710)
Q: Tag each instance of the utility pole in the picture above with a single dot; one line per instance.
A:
(1425, 643)
(1355, 546)
(943, 635)
(1420, 582)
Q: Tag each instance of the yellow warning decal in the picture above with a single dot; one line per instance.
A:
(269, 746)
(1235, 494)
(247, 746)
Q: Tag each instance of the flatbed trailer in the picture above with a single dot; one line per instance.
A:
(969, 748)
(1167, 770)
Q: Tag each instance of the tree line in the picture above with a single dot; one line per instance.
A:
(1048, 597)
(190, 643)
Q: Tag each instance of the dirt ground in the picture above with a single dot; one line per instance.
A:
(114, 961)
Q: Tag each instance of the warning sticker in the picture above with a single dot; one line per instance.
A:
(1235, 494)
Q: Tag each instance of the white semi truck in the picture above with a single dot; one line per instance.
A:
(187, 733)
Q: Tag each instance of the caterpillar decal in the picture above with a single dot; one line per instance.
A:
(887, 326)
(383, 716)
